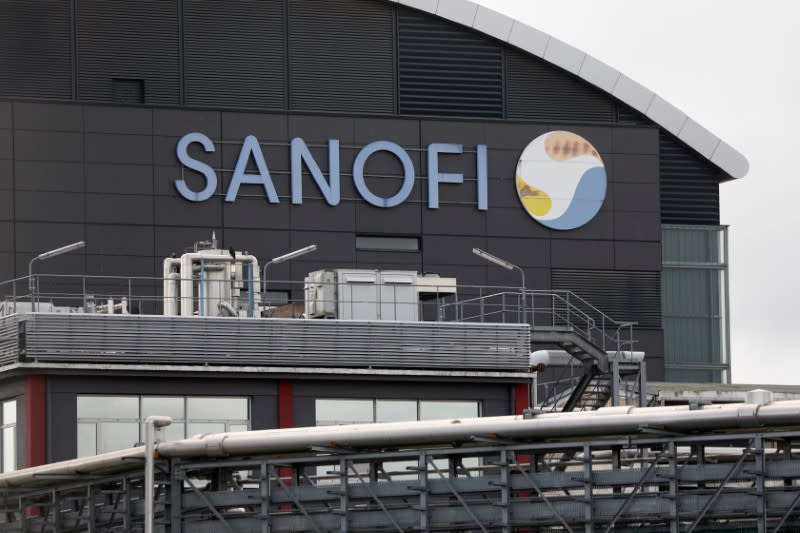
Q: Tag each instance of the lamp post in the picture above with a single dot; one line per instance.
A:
(47, 255)
(509, 266)
(150, 425)
(282, 258)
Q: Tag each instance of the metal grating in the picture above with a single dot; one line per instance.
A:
(446, 70)
(623, 295)
(36, 49)
(540, 91)
(234, 57)
(328, 343)
(135, 39)
(689, 185)
(341, 56)
(9, 339)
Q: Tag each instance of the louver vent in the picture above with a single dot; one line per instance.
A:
(540, 91)
(445, 70)
(126, 91)
(689, 185)
(341, 56)
(630, 117)
(622, 295)
(35, 49)
(133, 39)
(233, 53)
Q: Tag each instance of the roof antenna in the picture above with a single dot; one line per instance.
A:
(214, 240)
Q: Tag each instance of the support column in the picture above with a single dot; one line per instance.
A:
(520, 397)
(285, 407)
(35, 409)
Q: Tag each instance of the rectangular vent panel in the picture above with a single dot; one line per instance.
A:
(36, 49)
(622, 295)
(539, 90)
(234, 54)
(446, 70)
(134, 39)
(341, 56)
(689, 185)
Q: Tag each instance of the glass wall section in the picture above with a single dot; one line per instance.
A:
(109, 423)
(695, 303)
(8, 436)
(339, 411)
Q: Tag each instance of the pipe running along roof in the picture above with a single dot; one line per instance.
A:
(482, 19)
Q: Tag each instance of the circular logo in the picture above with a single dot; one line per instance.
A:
(561, 180)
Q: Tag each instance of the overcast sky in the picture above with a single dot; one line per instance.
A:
(732, 65)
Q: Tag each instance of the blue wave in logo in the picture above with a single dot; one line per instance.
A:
(586, 202)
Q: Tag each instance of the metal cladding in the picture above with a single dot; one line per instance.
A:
(603, 422)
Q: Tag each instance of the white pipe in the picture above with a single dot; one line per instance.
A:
(606, 421)
(214, 256)
(560, 358)
(150, 425)
(170, 286)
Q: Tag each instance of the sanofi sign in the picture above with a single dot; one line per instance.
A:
(329, 186)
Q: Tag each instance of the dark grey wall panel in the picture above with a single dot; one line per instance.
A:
(53, 117)
(624, 296)
(446, 70)
(49, 176)
(234, 53)
(539, 90)
(689, 185)
(341, 56)
(128, 39)
(35, 49)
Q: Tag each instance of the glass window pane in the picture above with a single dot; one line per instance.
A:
(437, 410)
(236, 428)
(158, 405)
(331, 412)
(10, 412)
(118, 436)
(110, 407)
(395, 244)
(87, 440)
(396, 411)
(9, 449)
(217, 409)
(175, 431)
(205, 427)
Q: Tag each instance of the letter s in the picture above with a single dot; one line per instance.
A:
(193, 164)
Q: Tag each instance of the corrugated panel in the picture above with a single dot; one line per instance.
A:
(446, 70)
(9, 339)
(234, 53)
(630, 117)
(326, 343)
(36, 49)
(341, 56)
(622, 295)
(538, 90)
(689, 185)
(127, 91)
(133, 39)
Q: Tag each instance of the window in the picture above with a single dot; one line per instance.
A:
(109, 423)
(338, 411)
(8, 435)
(695, 303)
(370, 243)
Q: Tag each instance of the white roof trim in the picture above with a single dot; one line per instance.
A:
(485, 20)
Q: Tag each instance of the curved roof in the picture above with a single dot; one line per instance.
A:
(595, 72)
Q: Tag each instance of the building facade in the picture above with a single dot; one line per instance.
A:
(394, 135)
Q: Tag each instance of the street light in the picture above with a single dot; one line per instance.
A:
(509, 266)
(280, 259)
(150, 425)
(47, 255)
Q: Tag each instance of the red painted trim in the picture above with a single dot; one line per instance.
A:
(520, 397)
(35, 403)
(285, 409)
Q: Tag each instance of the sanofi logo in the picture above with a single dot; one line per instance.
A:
(330, 185)
(561, 180)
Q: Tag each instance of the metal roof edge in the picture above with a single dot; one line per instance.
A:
(608, 79)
